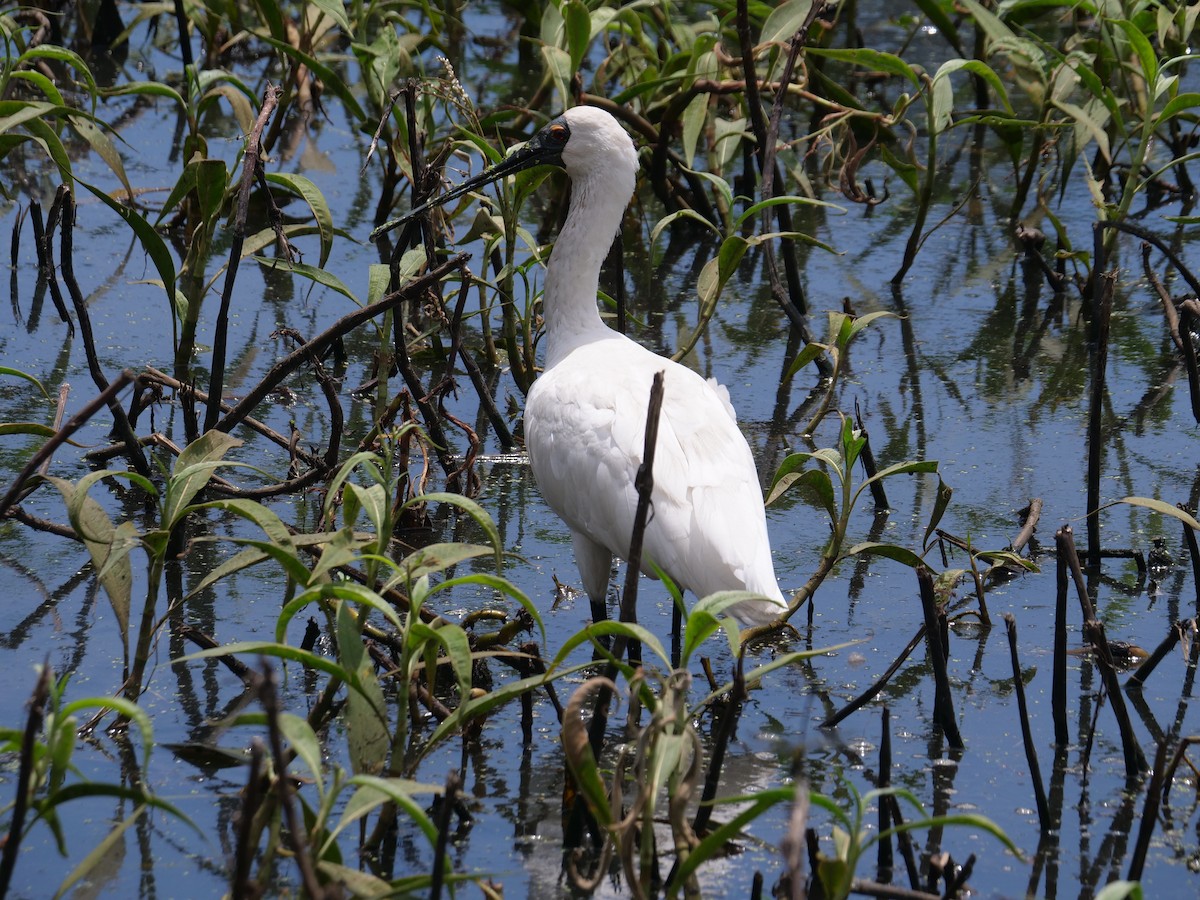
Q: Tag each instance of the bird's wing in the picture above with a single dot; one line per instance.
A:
(585, 431)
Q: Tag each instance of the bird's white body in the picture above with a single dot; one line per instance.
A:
(585, 416)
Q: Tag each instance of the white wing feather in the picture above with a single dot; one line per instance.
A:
(585, 431)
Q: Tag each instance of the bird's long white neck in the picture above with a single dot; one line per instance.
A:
(598, 201)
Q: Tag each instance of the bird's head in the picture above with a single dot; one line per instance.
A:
(583, 140)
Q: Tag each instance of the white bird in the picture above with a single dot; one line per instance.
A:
(585, 414)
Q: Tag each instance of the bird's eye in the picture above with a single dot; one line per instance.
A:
(559, 133)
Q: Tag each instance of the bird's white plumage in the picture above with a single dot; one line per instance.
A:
(585, 415)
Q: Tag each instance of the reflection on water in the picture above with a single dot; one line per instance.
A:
(985, 372)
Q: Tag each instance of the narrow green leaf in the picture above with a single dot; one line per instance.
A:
(311, 194)
(866, 58)
(1163, 509)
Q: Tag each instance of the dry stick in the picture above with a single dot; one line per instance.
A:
(1184, 272)
(420, 396)
(486, 401)
(1189, 537)
(60, 410)
(318, 344)
(793, 844)
(1099, 339)
(153, 374)
(1135, 762)
(1182, 338)
(295, 822)
(904, 840)
(123, 380)
(889, 891)
(241, 889)
(1058, 691)
(867, 695)
(1035, 771)
(1162, 776)
(943, 700)
(43, 240)
(885, 861)
(33, 726)
(251, 161)
(1032, 514)
(644, 481)
(868, 459)
(792, 303)
(120, 421)
(1149, 814)
(1138, 678)
(733, 711)
(453, 783)
(1067, 547)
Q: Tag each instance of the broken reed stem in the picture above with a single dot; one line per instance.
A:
(318, 344)
(1149, 813)
(1138, 678)
(905, 842)
(1099, 345)
(1035, 771)
(868, 461)
(67, 266)
(33, 727)
(1066, 545)
(283, 785)
(729, 718)
(1058, 691)
(247, 843)
(943, 700)
(1181, 337)
(1135, 762)
(644, 481)
(1189, 538)
(867, 695)
(437, 877)
(251, 163)
(885, 861)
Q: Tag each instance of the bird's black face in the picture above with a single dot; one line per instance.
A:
(544, 148)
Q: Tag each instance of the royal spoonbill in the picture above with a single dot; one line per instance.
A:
(585, 414)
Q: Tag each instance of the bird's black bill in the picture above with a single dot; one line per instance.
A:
(544, 148)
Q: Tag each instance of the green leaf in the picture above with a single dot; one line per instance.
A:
(354, 593)
(152, 243)
(1163, 509)
(193, 470)
(816, 480)
(784, 21)
(577, 26)
(366, 722)
(107, 547)
(1147, 58)
(889, 551)
(303, 740)
(17, 373)
(103, 147)
(311, 194)
(336, 11)
(866, 58)
(474, 510)
(437, 558)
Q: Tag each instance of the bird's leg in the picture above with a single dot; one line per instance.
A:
(594, 562)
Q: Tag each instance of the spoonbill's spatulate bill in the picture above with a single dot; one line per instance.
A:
(585, 415)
